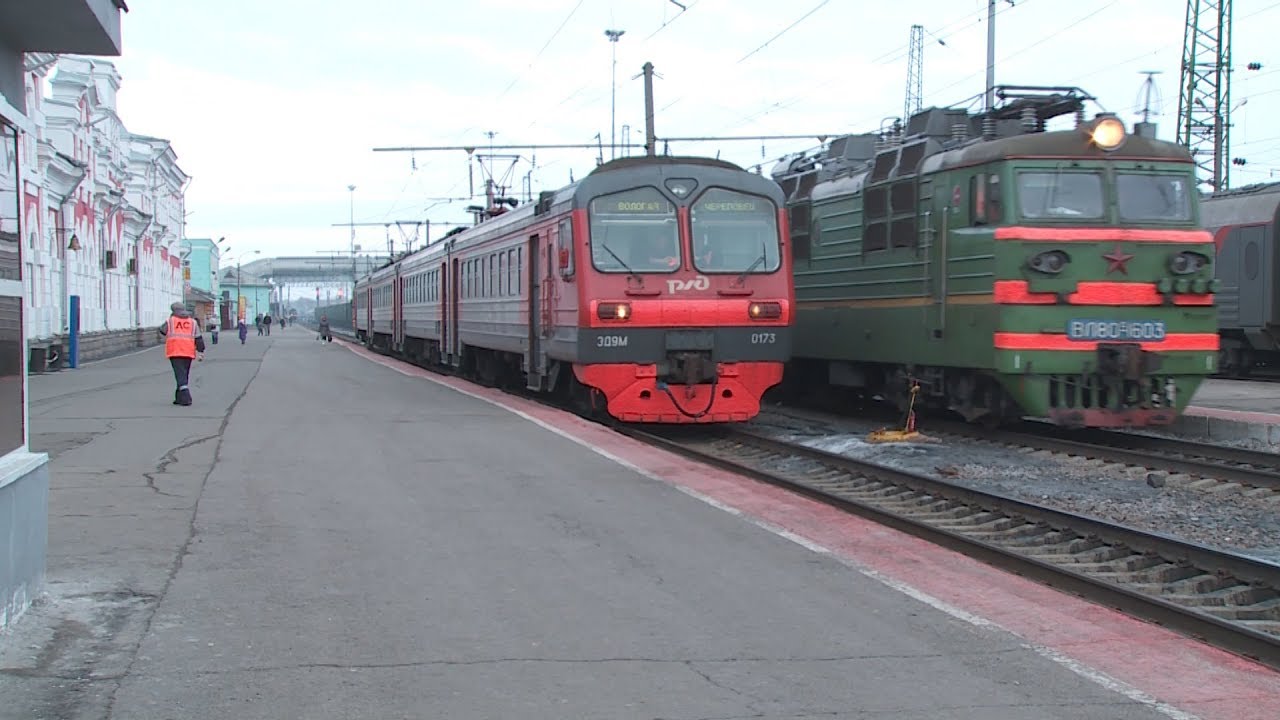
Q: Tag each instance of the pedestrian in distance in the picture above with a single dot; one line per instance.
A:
(266, 322)
(183, 343)
(243, 329)
(324, 329)
(213, 329)
(257, 322)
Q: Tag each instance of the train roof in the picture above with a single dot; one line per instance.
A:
(1249, 205)
(940, 138)
(613, 176)
(1061, 144)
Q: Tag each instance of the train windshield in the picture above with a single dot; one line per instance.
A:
(1153, 197)
(634, 232)
(734, 233)
(1060, 195)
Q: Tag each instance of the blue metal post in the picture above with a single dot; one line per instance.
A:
(73, 342)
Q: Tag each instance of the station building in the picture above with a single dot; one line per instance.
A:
(201, 282)
(29, 36)
(103, 215)
(254, 295)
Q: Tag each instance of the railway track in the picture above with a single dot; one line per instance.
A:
(1247, 468)
(1228, 600)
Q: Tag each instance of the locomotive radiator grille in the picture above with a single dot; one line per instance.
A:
(1099, 392)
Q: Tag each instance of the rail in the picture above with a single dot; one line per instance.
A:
(1229, 600)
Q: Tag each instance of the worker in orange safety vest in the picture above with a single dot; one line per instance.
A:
(182, 344)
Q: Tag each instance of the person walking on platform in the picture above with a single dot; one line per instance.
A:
(266, 322)
(243, 329)
(212, 325)
(324, 329)
(182, 344)
(257, 322)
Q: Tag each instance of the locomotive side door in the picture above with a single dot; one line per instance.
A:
(443, 300)
(935, 231)
(535, 359)
(397, 313)
(368, 314)
(455, 280)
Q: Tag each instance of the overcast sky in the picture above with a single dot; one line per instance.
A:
(275, 107)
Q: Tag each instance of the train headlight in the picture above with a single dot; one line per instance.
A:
(764, 310)
(1187, 263)
(1107, 133)
(1050, 262)
(613, 311)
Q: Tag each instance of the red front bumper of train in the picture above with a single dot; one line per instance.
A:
(632, 393)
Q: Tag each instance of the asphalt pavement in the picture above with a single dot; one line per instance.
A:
(319, 536)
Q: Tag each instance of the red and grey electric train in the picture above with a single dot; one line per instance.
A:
(657, 289)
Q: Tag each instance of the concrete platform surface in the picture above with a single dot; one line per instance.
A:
(1232, 411)
(1239, 395)
(321, 536)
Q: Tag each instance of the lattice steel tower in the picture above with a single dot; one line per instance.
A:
(1204, 103)
(915, 74)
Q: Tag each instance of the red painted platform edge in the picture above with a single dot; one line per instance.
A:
(1175, 675)
(1248, 417)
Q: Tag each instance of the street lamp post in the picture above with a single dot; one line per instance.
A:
(352, 189)
(238, 295)
(613, 93)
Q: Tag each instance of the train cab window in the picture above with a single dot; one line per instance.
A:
(978, 199)
(1060, 195)
(564, 249)
(734, 232)
(984, 199)
(634, 231)
(995, 200)
(1154, 197)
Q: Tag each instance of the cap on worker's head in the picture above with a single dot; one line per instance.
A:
(177, 307)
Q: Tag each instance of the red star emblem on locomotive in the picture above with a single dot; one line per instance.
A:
(1117, 260)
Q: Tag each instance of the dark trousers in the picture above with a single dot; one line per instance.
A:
(181, 375)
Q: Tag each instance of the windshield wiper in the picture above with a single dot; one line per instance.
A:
(758, 262)
(630, 272)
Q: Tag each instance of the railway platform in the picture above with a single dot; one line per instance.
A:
(328, 533)
(1233, 410)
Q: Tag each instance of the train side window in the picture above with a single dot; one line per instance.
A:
(502, 275)
(564, 249)
(875, 218)
(902, 227)
(801, 240)
(978, 199)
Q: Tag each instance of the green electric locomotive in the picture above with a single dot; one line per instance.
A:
(1002, 269)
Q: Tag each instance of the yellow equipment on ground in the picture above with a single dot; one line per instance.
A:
(908, 431)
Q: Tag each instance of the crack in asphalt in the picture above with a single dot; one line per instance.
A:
(101, 388)
(186, 545)
(171, 456)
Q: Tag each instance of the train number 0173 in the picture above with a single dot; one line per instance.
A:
(611, 340)
(764, 338)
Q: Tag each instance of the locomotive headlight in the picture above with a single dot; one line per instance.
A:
(764, 310)
(1108, 133)
(1187, 263)
(1050, 262)
(613, 311)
